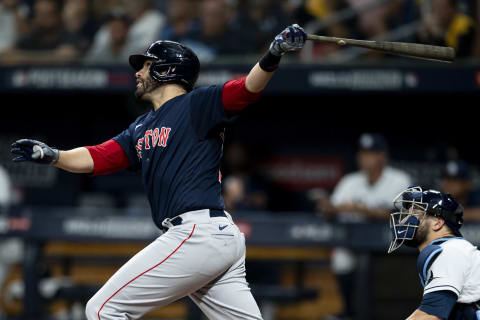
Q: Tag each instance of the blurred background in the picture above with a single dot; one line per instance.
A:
(309, 171)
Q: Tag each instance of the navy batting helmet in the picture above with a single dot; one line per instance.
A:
(173, 62)
(412, 204)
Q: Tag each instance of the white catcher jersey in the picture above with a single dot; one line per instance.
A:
(457, 269)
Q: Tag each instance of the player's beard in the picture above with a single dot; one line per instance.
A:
(147, 86)
(420, 235)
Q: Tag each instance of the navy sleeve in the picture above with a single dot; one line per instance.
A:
(125, 140)
(439, 303)
(207, 110)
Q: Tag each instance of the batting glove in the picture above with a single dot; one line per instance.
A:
(35, 151)
(291, 39)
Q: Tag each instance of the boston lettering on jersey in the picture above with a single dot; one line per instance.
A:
(178, 149)
(153, 138)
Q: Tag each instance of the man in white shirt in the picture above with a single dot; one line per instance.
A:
(5, 189)
(10, 248)
(359, 196)
(13, 22)
(448, 265)
(115, 50)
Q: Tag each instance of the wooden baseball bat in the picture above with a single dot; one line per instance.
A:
(412, 50)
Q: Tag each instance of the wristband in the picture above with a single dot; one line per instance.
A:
(269, 62)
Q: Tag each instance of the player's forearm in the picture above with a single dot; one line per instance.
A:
(257, 79)
(76, 160)
(420, 315)
(291, 39)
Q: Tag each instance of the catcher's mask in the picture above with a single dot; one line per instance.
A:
(413, 204)
(404, 222)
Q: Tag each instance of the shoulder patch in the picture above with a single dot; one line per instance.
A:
(425, 260)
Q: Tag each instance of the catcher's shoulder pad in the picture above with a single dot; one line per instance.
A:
(425, 260)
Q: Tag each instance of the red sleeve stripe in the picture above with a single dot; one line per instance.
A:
(108, 157)
(236, 97)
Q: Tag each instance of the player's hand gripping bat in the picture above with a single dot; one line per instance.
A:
(412, 50)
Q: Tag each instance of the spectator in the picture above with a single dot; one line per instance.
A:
(457, 181)
(48, 41)
(362, 195)
(10, 248)
(180, 20)
(13, 23)
(5, 189)
(145, 25)
(115, 49)
(79, 20)
(216, 35)
(261, 20)
(377, 20)
(321, 10)
(243, 189)
(314, 11)
(443, 24)
(104, 7)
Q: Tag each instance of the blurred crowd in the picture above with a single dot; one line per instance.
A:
(88, 31)
(366, 193)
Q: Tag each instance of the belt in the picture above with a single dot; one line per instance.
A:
(177, 220)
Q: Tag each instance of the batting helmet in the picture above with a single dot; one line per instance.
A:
(173, 62)
(413, 203)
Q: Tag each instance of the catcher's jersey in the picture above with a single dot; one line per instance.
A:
(179, 149)
(455, 267)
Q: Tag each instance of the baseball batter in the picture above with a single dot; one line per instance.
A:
(178, 148)
(448, 265)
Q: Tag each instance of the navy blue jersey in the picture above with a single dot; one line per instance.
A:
(179, 149)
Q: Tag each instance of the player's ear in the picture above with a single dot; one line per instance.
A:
(437, 223)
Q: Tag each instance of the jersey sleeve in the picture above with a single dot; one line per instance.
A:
(438, 303)
(207, 110)
(125, 140)
(447, 272)
(235, 96)
(108, 157)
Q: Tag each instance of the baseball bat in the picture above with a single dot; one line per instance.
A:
(412, 50)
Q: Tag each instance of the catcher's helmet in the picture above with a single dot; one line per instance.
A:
(412, 204)
(173, 62)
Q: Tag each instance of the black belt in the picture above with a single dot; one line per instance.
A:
(217, 213)
(176, 221)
